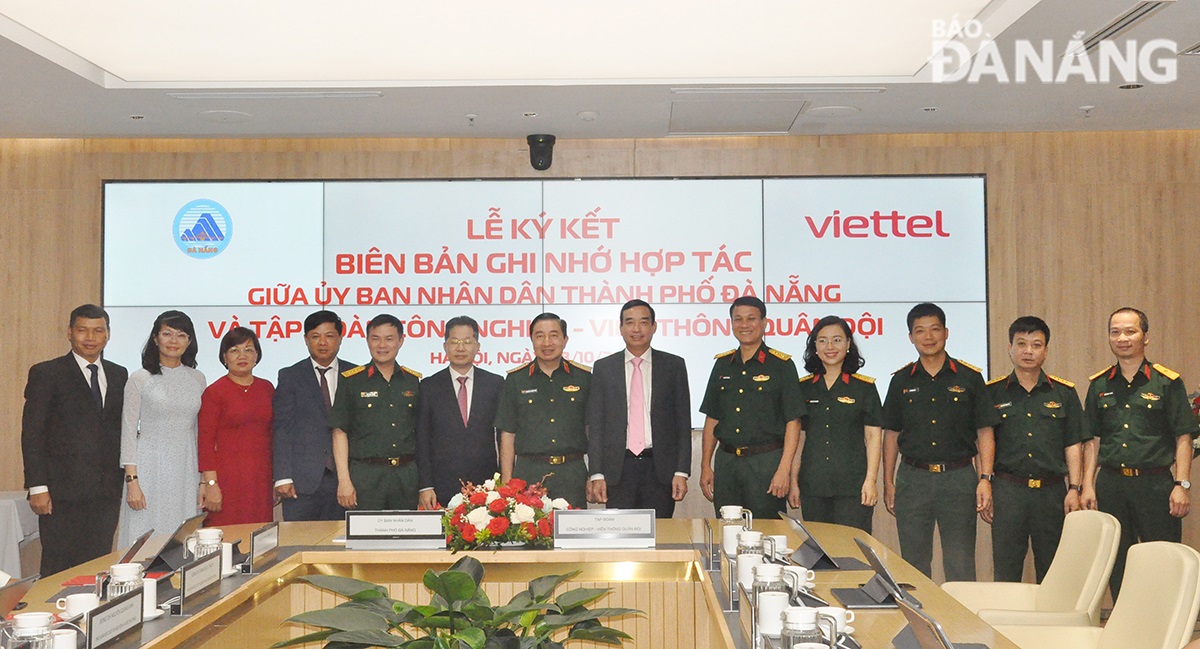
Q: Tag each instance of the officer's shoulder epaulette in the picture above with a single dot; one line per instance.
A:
(966, 364)
(585, 368)
(519, 367)
(1100, 373)
(997, 379)
(352, 371)
(1059, 379)
(806, 377)
(864, 378)
(724, 354)
(780, 355)
(1167, 372)
(411, 371)
(903, 368)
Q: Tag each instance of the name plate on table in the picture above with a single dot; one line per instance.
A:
(196, 577)
(394, 530)
(262, 542)
(113, 618)
(604, 528)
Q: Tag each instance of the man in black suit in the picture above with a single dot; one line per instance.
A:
(455, 436)
(304, 474)
(70, 442)
(639, 421)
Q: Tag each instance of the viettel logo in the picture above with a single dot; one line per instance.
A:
(202, 229)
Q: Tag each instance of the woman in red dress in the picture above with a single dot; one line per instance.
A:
(235, 437)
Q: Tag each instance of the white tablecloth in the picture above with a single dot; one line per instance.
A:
(17, 523)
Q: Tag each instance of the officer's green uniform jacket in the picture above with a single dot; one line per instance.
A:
(835, 452)
(1138, 422)
(378, 416)
(752, 401)
(938, 416)
(1035, 426)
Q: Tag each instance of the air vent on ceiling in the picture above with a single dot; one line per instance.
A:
(778, 90)
(1121, 24)
(1191, 51)
(277, 94)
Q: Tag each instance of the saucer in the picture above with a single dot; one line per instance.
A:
(849, 630)
(157, 613)
(231, 573)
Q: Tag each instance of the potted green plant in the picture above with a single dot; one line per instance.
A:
(459, 615)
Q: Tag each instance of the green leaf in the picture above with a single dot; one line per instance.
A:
(454, 587)
(342, 619)
(528, 618)
(542, 587)
(384, 607)
(369, 637)
(309, 637)
(580, 597)
(353, 588)
(471, 567)
(473, 637)
(603, 635)
(479, 612)
(581, 614)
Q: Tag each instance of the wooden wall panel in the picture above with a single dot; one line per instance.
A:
(1078, 223)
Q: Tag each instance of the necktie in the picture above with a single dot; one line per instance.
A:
(462, 398)
(325, 388)
(637, 407)
(96, 396)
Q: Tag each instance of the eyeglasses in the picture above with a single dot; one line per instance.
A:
(836, 341)
(174, 335)
(456, 342)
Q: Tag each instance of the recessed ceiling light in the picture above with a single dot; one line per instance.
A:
(930, 109)
(1131, 86)
(587, 115)
(529, 114)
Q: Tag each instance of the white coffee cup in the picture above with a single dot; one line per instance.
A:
(745, 569)
(842, 616)
(32, 620)
(770, 609)
(149, 596)
(730, 512)
(125, 571)
(729, 539)
(226, 558)
(780, 543)
(804, 576)
(77, 604)
(63, 638)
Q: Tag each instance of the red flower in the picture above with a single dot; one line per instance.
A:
(498, 506)
(545, 527)
(468, 533)
(456, 519)
(449, 539)
(506, 491)
(517, 484)
(461, 509)
(498, 526)
(535, 503)
(479, 498)
(530, 530)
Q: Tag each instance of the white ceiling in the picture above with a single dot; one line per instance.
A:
(136, 68)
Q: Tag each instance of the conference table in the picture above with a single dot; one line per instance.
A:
(682, 601)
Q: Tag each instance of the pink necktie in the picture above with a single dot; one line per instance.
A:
(462, 398)
(637, 407)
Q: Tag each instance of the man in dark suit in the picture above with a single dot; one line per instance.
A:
(70, 442)
(304, 474)
(639, 421)
(455, 436)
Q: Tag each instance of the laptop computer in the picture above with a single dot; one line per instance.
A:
(10, 595)
(136, 547)
(924, 632)
(882, 591)
(169, 554)
(810, 554)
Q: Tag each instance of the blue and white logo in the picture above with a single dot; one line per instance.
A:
(203, 229)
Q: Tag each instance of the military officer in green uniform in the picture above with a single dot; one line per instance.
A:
(753, 407)
(1039, 454)
(938, 416)
(841, 442)
(542, 416)
(374, 425)
(1137, 466)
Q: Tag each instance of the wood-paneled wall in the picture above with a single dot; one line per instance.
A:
(1078, 223)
